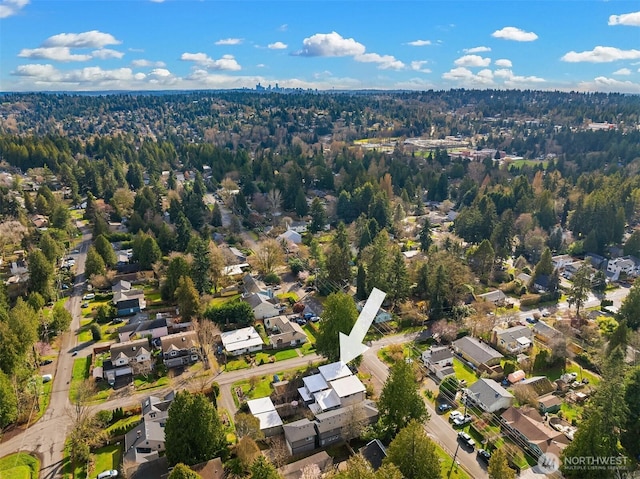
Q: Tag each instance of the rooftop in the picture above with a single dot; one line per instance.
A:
(333, 371)
(261, 405)
(347, 386)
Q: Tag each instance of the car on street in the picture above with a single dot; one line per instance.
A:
(75, 353)
(484, 455)
(466, 440)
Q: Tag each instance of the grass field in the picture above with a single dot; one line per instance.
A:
(464, 372)
(80, 372)
(19, 466)
(286, 354)
(236, 364)
(446, 463)
(142, 383)
(108, 457)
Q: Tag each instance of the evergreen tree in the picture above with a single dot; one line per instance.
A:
(182, 471)
(579, 291)
(426, 239)
(8, 402)
(414, 453)
(104, 249)
(40, 274)
(263, 469)
(201, 266)
(338, 262)
(188, 298)
(318, 216)
(50, 247)
(398, 281)
(339, 315)
(193, 431)
(630, 308)
(400, 400)
(177, 268)
(498, 467)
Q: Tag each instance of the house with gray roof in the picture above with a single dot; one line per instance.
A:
(262, 305)
(489, 395)
(476, 352)
(180, 349)
(284, 333)
(300, 436)
(495, 297)
(146, 442)
(544, 332)
(439, 361)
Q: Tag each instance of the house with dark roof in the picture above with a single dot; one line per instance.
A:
(155, 328)
(439, 361)
(495, 297)
(284, 333)
(295, 470)
(476, 352)
(127, 359)
(375, 453)
(489, 395)
(549, 404)
(526, 425)
(127, 307)
(180, 349)
(544, 332)
(514, 340)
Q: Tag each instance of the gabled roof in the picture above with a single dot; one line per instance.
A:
(180, 341)
(488, 392)
(479, 352)
(294, 470)
(540, 384)
(375, 453)
(327, 399)
(529, 423)
(514, 333)
(128, 303)
(438, 353)
(260, 405)
(493, 296)
(544, 329)
(157, 404)
(129, 349)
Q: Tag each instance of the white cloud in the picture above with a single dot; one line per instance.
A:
(601, 55)
(330, 45)
(418, 66)
(511, 80)
(142, 63)
(277, 46)
(11, 7)
(229, 41)
(419, 43)
(631, 19)
(605, 84)
(385, 62)
(35, 70)
(91, 39)
(472, 61)
(515, 34)
(227, 62)
(622, 71)
(157, 1)
(467, 77)
(106, 53)
(60, 54)
(160, 72)
(261, 65)
(139, 76)
(503, 62)
(283, 27)
(477, 50)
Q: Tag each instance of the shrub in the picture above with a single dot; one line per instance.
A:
(530, 300)
(272, 278)
(105, 417)
(96, 333)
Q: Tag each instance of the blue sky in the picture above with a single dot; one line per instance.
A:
(86, 45)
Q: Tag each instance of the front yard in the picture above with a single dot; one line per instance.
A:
(19, 466)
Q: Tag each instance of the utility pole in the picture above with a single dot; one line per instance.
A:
(455, 454)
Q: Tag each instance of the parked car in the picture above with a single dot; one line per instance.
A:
(89, 296)
(75, 353)
(85, 305)
(301, 321)
(443, 407)
(46, 378)
(106, 474)
(465, 439)
(315, 319)
(46, 361)
(454, 415)
(531, 320)
(484, 455)
(462, 420)
(308, 316)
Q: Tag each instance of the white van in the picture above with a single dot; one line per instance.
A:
(107, 474)
(89, 296)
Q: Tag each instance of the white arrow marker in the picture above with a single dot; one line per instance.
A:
(351, 346)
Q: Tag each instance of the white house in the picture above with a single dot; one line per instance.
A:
(618, 266)
(513, 340)
(262, 307)
(439, 361)
(242, 341)
(264, 410)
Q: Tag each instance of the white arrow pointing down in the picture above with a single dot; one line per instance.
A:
(351, 346)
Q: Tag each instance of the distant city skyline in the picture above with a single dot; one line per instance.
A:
(101, 45)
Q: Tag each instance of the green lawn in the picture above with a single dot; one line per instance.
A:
(308, 348)
(142, 383)
(80, 372)
(286, 354)
(108, 457)
(284, 297)
(464, 372)
(235, 364)
(571, 411)
(43, 400)
(571, 367)
(309, 331)
(262, 358)
(126, 422)
(446, 463)
(258, 387)
(19, 466)
(223, 299)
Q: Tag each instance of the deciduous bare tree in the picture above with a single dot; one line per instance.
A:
(268, 256)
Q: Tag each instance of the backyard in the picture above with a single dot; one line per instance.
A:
(464, 372)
